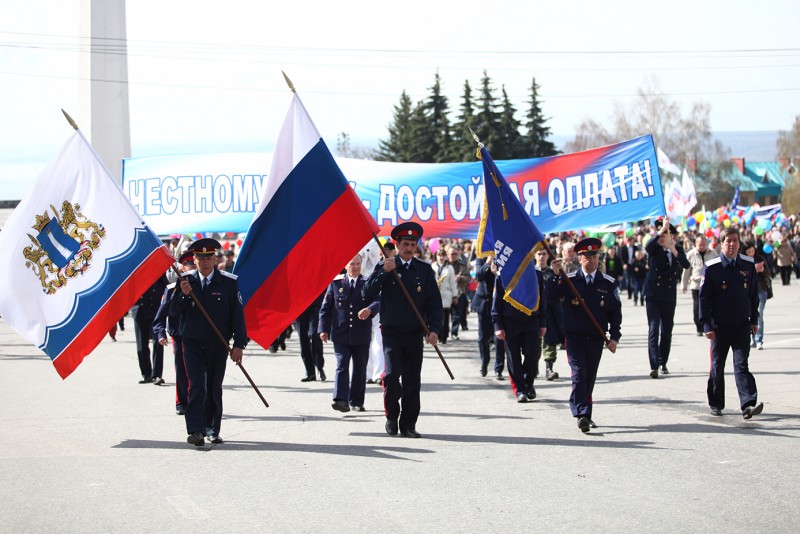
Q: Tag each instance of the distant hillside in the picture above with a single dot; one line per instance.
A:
(753, 146)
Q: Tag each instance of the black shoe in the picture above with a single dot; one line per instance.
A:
(322, 376)
(522, 398)
(699, 334)
(196, 439)
(308, 379)
(443, 341)
(410, 433)
(283, 345)
(391, 427)
(370, 381)
(273, 349)
(180, 410)
(716, 412)
(654, 373)
(531, 394)
(551, 375)
(584, 423)
(664, 370)
(340, 406)
(357, 408)
(483, 371)
(213, 438)
(146, 381)
(158, 381)
(500, 376)
(592, 424)
(750, 411)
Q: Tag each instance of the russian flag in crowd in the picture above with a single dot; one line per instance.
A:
(509, 234)
(309, 224)
(76, 257)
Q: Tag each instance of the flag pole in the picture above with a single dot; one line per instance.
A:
(565, 277)
(414, 307)
(175, 269)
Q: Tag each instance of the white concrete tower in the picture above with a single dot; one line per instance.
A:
(105, 118)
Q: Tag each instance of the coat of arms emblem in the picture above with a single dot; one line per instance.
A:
(62, 249)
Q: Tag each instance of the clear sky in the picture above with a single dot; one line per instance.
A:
(206, 75)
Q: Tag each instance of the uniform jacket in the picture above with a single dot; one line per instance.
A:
(729, 294)
(164, 323)
(146, 307)
(482, 299)
(602, 299)
(697, 266)
(507, 317)
(338, 316)
(662, 277)
(420, 282)
(223, 303)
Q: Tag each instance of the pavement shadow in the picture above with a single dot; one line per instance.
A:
(718, 427)
(365, 451)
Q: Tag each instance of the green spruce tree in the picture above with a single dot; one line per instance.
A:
(536, 142)
(487, 118)
(398, 146)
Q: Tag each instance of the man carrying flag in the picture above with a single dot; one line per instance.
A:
(76, 256)
(288, 257)
(508, 233)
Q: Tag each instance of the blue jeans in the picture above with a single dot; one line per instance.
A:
(762, 300)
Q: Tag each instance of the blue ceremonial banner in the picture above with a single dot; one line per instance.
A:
(220, 192)
(509, 234)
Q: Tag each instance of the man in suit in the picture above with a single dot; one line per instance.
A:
(627, 255)
(665, 258)
(584, 343)
(485, 275)
(729, 313)
(204, 352)
(345, 318)
(402, 332)
(143, 313)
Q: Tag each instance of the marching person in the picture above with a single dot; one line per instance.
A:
(665, 258)
(164, 324)
(729, 312)
(204, 352)
(446, 280)
(485, 275)
(697, 258)
(522, 334)
(584, 343)
(402, 332)
(554, 333)
(143, 313)
(345, 318)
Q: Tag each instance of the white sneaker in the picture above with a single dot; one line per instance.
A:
(760, 346)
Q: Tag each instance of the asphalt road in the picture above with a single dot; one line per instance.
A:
(100, 453)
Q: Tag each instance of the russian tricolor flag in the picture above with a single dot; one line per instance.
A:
(309, 224)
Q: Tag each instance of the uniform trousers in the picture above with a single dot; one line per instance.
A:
(401, 379)
(485, 334)
(345, 388)
(311, 350)
(205, 366)
(521, 369)
(696, 310)
(660, 319)
(583, 354)
(737, 339)
(143, 329)
(181, 377)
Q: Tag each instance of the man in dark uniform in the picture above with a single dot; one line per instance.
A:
(311, 351)
(164, 324)
(401, 330)
(143, 313)
(204, 352)
(584, 343)
(729, 313)
(346, 319)
(522, 334)
(485, 275)
(665, 259)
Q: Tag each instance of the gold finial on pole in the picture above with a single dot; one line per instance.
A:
(69, 119)
(288, 82)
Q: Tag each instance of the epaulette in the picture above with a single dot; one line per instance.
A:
(229, 275)
(609, 277)
(572, 274)
(745, 257)
(338, 276)
(716, 260)
(172, 285)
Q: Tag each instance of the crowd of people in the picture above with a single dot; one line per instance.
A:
(378, 337)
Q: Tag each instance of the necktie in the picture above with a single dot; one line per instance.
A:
(352, 285)
(205, 284)
(405, 265)
(589, 280)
